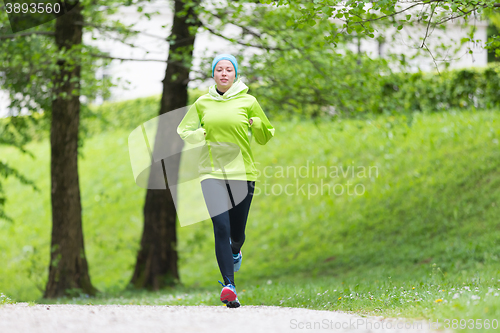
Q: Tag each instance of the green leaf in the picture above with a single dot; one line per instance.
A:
(408, 17)
(327, 11)
(400, 27)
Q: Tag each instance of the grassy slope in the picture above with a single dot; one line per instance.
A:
(435, 201)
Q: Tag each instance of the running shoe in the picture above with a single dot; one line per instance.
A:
(228, 295)
(237, 261)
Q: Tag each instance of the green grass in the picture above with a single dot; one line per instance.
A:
(5, 299)
(426, 218)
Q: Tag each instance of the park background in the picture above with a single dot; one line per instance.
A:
(421, 241)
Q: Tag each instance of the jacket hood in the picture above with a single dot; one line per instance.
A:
(238, 88)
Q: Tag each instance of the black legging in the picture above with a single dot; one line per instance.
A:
(228, 206)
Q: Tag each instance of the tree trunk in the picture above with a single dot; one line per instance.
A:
(156, 264)
(68, 270)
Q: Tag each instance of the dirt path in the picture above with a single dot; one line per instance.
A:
(21, 318)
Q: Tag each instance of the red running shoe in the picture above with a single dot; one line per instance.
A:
(228, 296)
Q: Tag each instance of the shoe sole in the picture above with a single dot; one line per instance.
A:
(229, 298)
(234, 304)
(227, 295)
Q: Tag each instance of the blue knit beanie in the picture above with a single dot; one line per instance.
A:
(225, 56)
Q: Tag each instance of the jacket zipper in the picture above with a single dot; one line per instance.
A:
(210, 154)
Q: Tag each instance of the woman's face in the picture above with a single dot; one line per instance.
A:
(224, 75)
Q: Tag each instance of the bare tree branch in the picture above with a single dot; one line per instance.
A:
(454, 17)
(401, 11)
(204, 75)
(244, 28)
(107, 35)
(433, 59)
(108, 28)
(428, 24)
(245, 31)
(126, 59)
(212, 31)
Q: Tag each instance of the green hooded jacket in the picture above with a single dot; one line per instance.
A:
(222, 123)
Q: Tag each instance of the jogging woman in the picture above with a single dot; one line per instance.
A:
(226, 119)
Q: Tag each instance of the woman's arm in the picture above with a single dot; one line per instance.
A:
(260, 125)
(189, 129)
